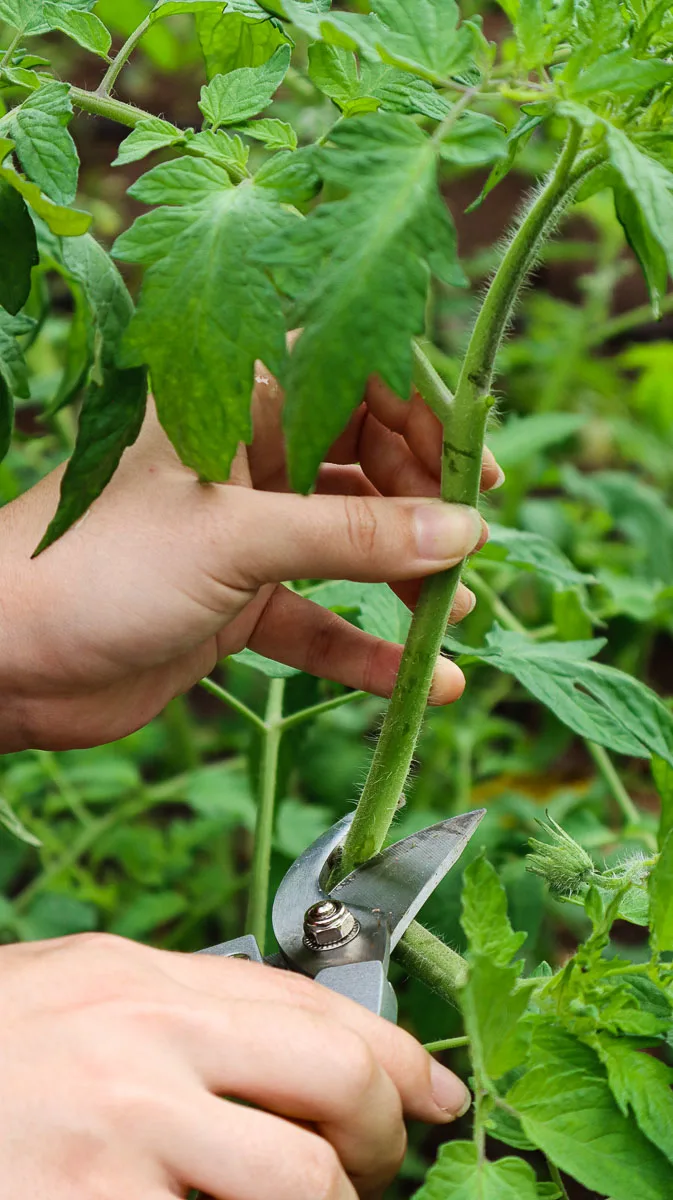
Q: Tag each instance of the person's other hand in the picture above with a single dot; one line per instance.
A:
(165, 576)
(115, 1056)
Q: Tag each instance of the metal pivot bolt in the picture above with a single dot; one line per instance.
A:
(328, 925)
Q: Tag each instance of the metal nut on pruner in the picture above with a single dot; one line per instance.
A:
(328, 925)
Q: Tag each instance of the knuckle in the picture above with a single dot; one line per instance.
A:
(360, 1068)
(362, 524)
(323, 1175)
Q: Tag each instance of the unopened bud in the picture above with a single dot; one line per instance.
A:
(561, 862)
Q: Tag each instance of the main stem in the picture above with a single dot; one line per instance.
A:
(464, 424)
(258, 903)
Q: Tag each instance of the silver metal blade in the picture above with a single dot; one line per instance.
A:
(398, 881)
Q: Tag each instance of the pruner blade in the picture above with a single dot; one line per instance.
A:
(384, 895)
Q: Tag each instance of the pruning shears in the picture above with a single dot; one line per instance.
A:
(343, 937)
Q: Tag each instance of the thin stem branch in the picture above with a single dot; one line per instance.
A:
(607, 770)
(9, 52)
(317, 710)
(447, 1044)
(258, 902)
(555, 1175)
(52, 769)
(484, 591)
(119, 62)
(226, 697)
(625, 322)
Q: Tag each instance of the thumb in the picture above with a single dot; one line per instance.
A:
(279, 536)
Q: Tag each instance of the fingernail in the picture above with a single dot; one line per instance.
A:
(448, 1091)
(447, 532)
(485, 535)
(471, 600)
(500, 479)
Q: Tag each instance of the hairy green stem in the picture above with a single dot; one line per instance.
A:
(119, 62)
(226, 697)
(446, 1044)
(266, 804)
(426, 957)
(9, 52)
(607, 770)
(464, 423)
(105, 106)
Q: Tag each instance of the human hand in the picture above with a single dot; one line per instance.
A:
(114, 1057)
(165, 576)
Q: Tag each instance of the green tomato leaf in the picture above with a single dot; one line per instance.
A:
(620, 74)
(18, 249)
(372, 252)
(233, 98)
(220, 147)
(598, 702)
(337, 73)
(12, 363)
(29, 17)
(662, 772)
(228, 315)
(147, 137)
(474, 140)
(64, 222)
(539, 554)
(114, 406)
(184, 181)
(233, 39)
(276, 135)
(517, 138)
(661, 898)
(110, 421)
(651, 187)
(44, 146)
(425, 37)
(265, 666)
(85, 28)
(484, 918)
(641, 1084)
(461, 1174)
(151, 236)
(568, 1110)
(493, 1002)
(645, 246)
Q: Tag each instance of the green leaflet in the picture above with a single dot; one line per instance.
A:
(370, 253)
(374, 605)
(43, 144)
(64, 222)
(356, 87)
(147, 137)
(651, 186)
(475, 139)
(233, 98)
(461, 1175)
(30, 16)
(661, 898)
(596, 701)
(10, 821)
(18, 249)
(663, 777)
(12, 363)
(538, 554)
(620, 74)
(85, 28)
(567, 1109)
(642, 1084)
(228, 315)
(114, 406)
(231, 39)
(644, 245)
(276, 135)
(171, 182)
(517, 138)
(484, 916)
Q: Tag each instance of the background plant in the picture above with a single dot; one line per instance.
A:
(333, 203)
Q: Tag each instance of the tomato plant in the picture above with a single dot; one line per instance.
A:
(329, 216)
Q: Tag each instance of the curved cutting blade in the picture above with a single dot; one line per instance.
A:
(399, 880)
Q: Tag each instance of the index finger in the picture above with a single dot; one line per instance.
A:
(428, 1091)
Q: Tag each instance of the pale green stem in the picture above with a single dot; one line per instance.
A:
(423, 955)
(317, 710)
(464, 428)
(555, 1175)
(53, 771)
(105, 106)
(484, 591)
(625, 322)
(226, 697)
(258, 902)
(119, 62)
(446, 1044)
(607, 770)
(9, 52)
